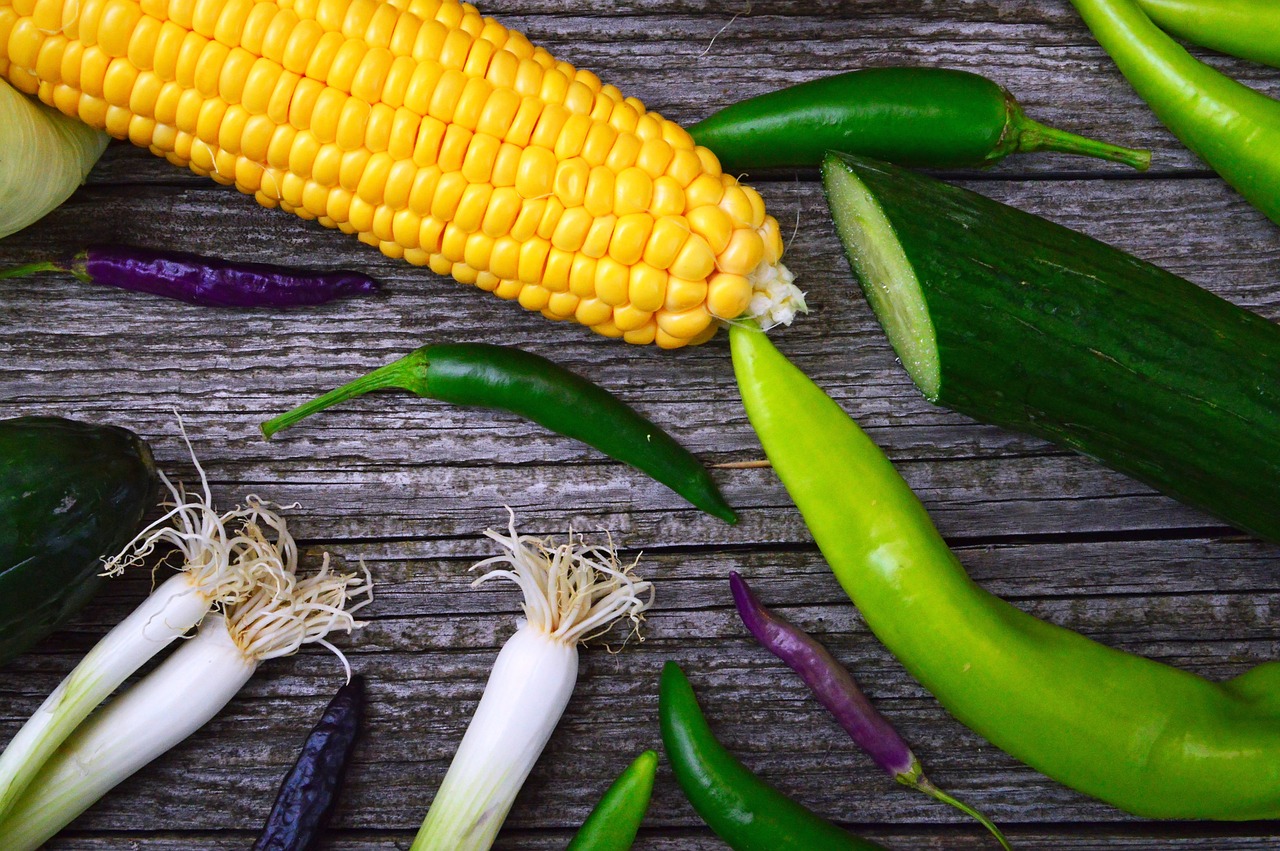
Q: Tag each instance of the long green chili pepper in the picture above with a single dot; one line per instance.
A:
(1146, 737)
(510, 379)
(612, 825)
(929, 117)
(1233, 128)
(1249, 29)
(743, 810)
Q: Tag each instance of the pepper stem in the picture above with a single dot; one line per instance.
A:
(32, 268)
(399, 373)
(922, 784)
(1031, 135)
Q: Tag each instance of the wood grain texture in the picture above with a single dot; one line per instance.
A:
(407, 485)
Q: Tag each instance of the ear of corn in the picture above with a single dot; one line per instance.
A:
(431, 132)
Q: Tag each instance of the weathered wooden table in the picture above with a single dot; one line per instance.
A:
(408, 485)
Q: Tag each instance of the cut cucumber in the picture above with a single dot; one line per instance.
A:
(1016, 321)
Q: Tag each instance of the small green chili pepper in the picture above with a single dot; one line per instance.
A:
(612, 825)
(1146, 737)
(743, 810)
(928, 117)
(510, 379)
(1233, 128)
(1249, 29)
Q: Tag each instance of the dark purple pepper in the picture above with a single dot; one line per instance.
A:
(835, 688)
(206, 281)
(310, 789)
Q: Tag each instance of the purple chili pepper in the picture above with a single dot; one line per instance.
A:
(835, 689)
(206, 281)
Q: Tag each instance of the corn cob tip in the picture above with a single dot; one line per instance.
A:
(775, 299)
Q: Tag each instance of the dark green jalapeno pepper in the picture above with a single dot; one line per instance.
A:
(510, 379)
(612, 825)
(743, 810)
(928, 117)
(1143, 736)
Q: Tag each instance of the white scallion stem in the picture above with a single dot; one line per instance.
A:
(183, 693)
(571, 593)
(163, 708)
(173, 609)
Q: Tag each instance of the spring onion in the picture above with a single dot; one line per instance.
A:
(572, 592)
(224, 558)
(44, 157)
(180, 696)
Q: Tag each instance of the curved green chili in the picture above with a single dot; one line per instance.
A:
(1249, 29)
(612, 825)
(743, 810)
(1233, 128)
(1143, 736)
(929, 117)
(510, 379)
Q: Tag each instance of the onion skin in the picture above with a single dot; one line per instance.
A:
(44, 157)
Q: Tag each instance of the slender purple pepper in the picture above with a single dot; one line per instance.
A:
(206, 281)
(835, 689)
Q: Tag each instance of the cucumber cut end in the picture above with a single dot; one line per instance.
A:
(887, 277)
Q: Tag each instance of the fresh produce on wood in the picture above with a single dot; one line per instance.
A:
(1148, 738)
(928, 117)
(436, 135)
(834, 687)
(1016, 321)
(613, 824)
(310, 789)
(280, 614)
(743, 810)
(44, 155)
(71, 493)
(1233, 128)
(206, 281)
(1249, 29)
(224, 559)
(572, 592)
(510, 379)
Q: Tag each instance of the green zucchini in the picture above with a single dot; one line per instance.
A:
(1016, 321)
(71, 493)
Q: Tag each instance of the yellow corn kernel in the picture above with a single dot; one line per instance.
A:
(633, 190)
(370, 77)
(772, 238)
(668, 197)
(374, 179)
(704, 190)
(629, 317)
(477, 251)
(353, 124)
(684, 324)
(600, 193)
(473, 206)
(600, 140)
(454, 243)
(561, 305)
(682, 294)
(449, 189)
(624, 152)
(231, 22)
(426, 147)
(570, 183)
(142, 43)
(572, 136)
(646, 289)
(536, 172)
(555, 277)
(665, 241)
(613, 280)
(482, 152)
(552, 210)
(533, 297)
(695, 259)
(592, 312)
(630, 237)
(504, 259)
(582, 276)
(757, 206)
(743, 253)
(500, 216)
(533, 260)
(596, 244)
(453, 148)
(713, 225)
(642, 336)
(728, 295)
(572, 229)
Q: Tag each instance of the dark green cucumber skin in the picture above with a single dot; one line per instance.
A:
(1043, 330)
(70, 494)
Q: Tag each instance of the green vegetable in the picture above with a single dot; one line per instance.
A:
(612, 825)
(509, 379)
(1016, 321)
(932, 117)
(44, 157)
(70, 494)
(1230, 126)
(1249, 29)
(743, 810)
(1143, 736)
